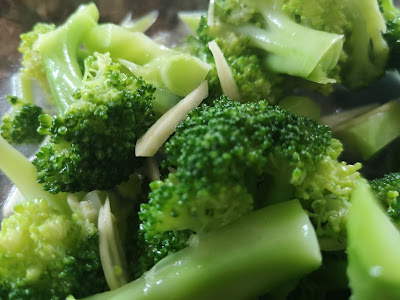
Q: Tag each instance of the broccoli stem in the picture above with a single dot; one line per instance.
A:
(389, 10)
(60, 52)
(166, 69)
(293, 49)
(369, 133)
(373, 243)
(23, 174)
(23, 87)
(262, 250)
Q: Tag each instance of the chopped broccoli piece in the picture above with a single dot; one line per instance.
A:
(222, 264)
(168, 70)
(374, 265)
(20, 126)
(233, 158)
(369, 133)
(45, 254)
(365, 51)
(102, 113)
(328, 282)
(387, 189)
(301, 106)
(46, 251)
(253, 79)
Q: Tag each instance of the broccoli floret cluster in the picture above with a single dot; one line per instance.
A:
(21, 125)
(231, 158)
(87, 155)
(48, 255)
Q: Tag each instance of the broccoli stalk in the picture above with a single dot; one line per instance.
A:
(222, 265)
(168, 70)
(102, 113)
(374, 265)
(292, 48)
(23, 174)
(59, 51)
(20, 126)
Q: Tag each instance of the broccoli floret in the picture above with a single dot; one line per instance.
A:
(32, 61)
(326, 193)
(271, 30)
(387, 190)
(46, 251)
(252, 77)
(20, 126)
(232, 158)
(45, 254)
(101, 113)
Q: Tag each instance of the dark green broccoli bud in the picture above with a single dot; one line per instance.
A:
(155, 248)
(45, 254)
(21, 125)
(387, 190)
(102, 113)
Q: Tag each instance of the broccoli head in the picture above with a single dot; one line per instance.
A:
(231, 158)
(45, 254)
(21, 125)
(101, 113)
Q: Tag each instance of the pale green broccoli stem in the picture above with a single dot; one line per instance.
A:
(390, 11)
(301, 106)
(373, 243)
(367, 49)
(60, 50)
(367, 134)
(191, 18)
(292, 48)
(23, 87)
(166, 69)
(23, 174)
(246, 259)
